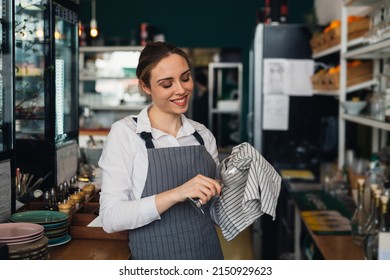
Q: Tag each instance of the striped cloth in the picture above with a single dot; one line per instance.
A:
(251, 188)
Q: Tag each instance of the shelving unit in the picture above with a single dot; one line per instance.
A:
(225, 88)
(109, 94)
(367, 50)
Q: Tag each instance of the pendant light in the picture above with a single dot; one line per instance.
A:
(93, 25)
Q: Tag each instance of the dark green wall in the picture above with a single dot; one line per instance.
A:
(195, 23)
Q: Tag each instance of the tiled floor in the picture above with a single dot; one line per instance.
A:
(240, 248)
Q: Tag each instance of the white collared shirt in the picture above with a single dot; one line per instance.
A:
(124, 164)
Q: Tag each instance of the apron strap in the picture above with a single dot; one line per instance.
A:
(198, 137)
(147, 136)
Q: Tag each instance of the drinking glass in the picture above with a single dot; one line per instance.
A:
(220, 176)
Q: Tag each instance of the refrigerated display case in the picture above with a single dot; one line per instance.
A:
(7, 157)
(46, 88)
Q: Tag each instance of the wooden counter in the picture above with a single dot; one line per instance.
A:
(94, 132)
(337, 247)
(91, 249)
(87, 243)
(332, 246)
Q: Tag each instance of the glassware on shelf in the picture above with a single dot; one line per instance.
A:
(359, 217)
(377, 106)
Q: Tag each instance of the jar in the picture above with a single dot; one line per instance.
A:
(377, 106)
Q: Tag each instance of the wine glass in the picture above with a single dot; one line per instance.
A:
(222, 170)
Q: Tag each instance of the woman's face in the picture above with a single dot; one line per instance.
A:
(171, 85)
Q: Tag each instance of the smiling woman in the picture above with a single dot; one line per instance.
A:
(154, 161)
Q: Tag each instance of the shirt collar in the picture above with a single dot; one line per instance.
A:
(143, 124)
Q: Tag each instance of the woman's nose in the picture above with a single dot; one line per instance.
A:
(179, 88)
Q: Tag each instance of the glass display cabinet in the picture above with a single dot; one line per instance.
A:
(46, 89)
(7, 158)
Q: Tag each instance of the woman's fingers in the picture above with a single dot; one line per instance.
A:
(211, 184)
(208, 188)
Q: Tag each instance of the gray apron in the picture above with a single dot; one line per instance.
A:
(182, 232)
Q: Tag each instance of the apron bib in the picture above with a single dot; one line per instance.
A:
(182, 232)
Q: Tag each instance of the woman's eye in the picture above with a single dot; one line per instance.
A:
(186, 79)
(166, 85)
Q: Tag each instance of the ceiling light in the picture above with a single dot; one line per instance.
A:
(93, 25)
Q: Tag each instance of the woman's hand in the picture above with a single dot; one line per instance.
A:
(200, 186)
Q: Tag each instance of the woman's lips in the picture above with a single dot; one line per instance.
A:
(180, 102)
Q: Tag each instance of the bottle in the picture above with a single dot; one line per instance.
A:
(283, 13)
(267, 12)
(377, 106)
(373, 223)
(67, 188)
(373, 246)
(53, 200)
(359, 216)
(371, 214)
(375, 176)
(387, 105)
(347, 181)
(143, 34)
(46, 200)
(372, 229)
(61, 192)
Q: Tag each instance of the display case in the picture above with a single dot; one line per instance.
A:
(46, 88)
(7, 159)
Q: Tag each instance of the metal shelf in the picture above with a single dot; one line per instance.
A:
(98, 49)
(365, 120)
(371, 51)
(369, 83)
(94, 78)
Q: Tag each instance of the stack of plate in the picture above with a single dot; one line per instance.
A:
(25, 241)
(55, 224)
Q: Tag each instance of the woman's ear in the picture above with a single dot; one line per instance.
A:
(144, 87)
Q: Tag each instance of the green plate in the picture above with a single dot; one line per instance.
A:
(59, 240)
(55, 225)
(38, 217)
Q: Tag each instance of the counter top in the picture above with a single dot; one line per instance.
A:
(91, 249)
(338, 247)
(332, 245)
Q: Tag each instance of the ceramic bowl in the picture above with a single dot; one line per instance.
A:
(353, 107)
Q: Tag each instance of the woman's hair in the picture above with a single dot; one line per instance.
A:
(151, 55)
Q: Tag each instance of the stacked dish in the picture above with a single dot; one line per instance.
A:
(55, 224)
(25, 241)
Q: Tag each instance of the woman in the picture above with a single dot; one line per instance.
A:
(152, 163)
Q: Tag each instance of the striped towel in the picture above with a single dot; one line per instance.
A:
(251, 188)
